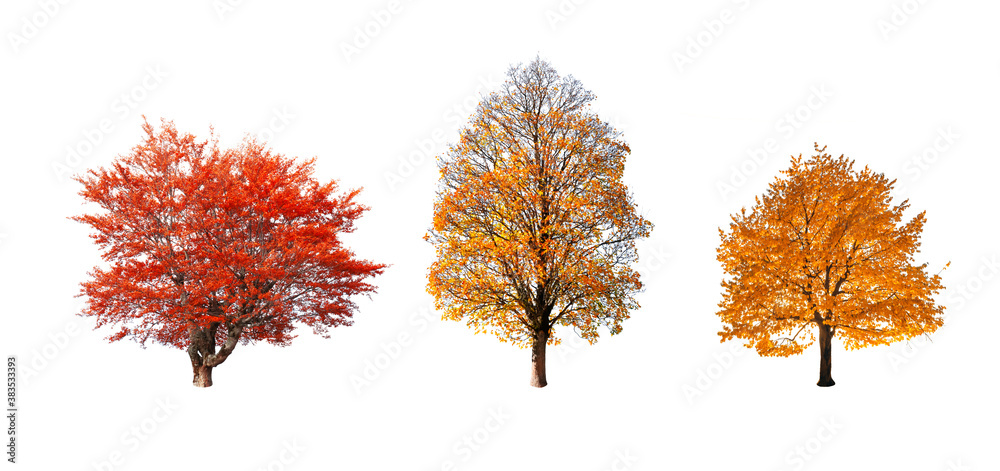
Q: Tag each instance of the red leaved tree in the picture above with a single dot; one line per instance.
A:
(210, 248)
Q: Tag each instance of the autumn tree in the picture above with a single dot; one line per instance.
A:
(825, 250)
(533, 226)
(207, 248)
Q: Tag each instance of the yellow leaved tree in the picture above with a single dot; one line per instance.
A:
(825, 250)
(533, 226)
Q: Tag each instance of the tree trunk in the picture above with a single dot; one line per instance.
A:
(538, 358)
(825, 348)
(203, 353)
(202, 376)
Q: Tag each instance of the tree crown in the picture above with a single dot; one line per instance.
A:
(194, 236)
(533, 225)
(825, 244)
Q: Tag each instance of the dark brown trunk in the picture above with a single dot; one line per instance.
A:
(825, 348)
(538, 359)
(202, 376)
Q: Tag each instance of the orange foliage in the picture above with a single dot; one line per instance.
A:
(825, 246)
(532, 224)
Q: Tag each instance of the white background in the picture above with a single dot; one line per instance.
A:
(665, 394)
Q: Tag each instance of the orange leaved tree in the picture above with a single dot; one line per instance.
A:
(206, 249)
(825, 250)
(533, 226)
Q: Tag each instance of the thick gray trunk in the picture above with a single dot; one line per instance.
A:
(202, 350)
(202, 376)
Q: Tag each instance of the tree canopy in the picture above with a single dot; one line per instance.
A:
(825, 249)
(533, 225)
(207, 247)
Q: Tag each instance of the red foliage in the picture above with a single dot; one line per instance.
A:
(199, 238)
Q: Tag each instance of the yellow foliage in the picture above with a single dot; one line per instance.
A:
(533, 226)
(826, 245)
